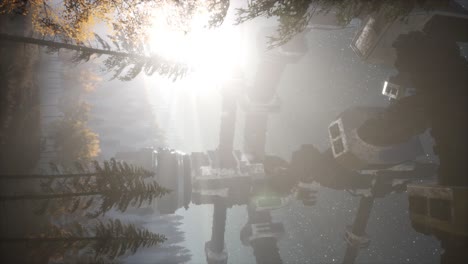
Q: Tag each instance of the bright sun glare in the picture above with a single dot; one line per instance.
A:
(212, 54)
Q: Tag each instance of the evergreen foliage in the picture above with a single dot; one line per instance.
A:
(294, 15)
(125, 61)
(133, 23)
(106, 240)
(113, 185)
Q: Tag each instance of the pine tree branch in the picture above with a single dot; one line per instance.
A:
(117, 62)
(60, 45)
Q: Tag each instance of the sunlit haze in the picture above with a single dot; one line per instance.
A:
(211, 53)
(234, 131)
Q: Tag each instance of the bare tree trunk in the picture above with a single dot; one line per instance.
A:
(44, 176)
(60, 45)
(46, 196)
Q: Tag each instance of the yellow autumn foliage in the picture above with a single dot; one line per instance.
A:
(74, 140)
(75, 19)
(131, 19)
(85, 78)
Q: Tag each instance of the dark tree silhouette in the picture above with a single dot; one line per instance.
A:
(116, 184)
(125, 61)
(109, 240)
(294, 16)
(110, 167)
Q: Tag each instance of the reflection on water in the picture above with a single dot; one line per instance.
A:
(346, 145)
